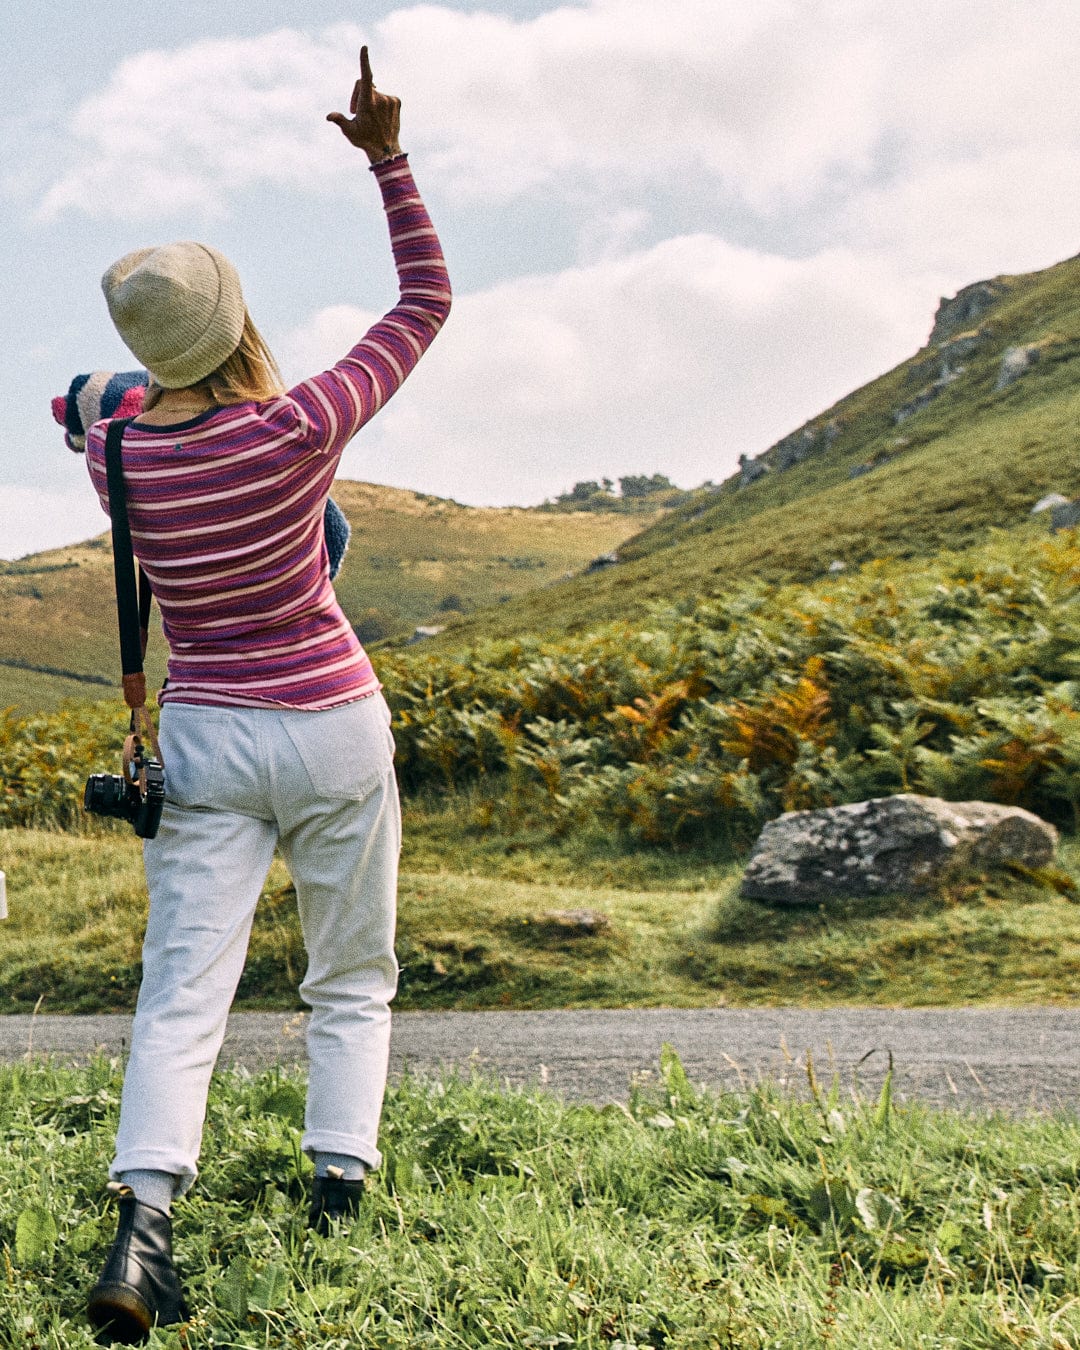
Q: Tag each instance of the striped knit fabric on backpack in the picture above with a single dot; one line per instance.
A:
(102, 393)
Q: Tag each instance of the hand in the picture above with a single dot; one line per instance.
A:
(376, 118)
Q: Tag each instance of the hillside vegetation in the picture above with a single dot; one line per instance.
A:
(412, 560)
(701, 721)
(630, 769)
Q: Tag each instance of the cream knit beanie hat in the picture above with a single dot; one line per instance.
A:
(178, 308)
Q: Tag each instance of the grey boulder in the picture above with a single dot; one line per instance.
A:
(900, 844)
(1064, 516)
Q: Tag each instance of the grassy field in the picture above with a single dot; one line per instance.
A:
(486, 932)
(683, 1221)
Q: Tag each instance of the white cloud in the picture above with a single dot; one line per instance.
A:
(33, 519)
(985, 143)
(178, 131)
(873, 109)
(500, 106)
(968, 220)
(611, 233)
(674, 358)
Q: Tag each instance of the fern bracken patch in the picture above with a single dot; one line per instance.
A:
(702, 720)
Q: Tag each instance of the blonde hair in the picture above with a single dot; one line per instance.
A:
(249, 375)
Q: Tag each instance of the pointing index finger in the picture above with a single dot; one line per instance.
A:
(366, 83)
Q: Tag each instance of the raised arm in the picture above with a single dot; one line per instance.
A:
(339, 402)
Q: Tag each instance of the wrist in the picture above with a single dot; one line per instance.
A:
(376, 155)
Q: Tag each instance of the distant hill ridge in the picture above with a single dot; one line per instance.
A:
(963, 437)
(413, 560)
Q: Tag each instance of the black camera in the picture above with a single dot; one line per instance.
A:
(113, 794)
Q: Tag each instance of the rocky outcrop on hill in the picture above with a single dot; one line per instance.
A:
(961, 347)
(944, 362)
(750, 470)
(792, 450)
(965, 308)
(940, 369)
(927, 395)
(905, 843)
(1064, 516)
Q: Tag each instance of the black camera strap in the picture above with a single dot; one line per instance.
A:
(133, 615)
(132, 605)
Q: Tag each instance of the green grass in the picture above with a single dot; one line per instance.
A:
(683, 1221)
(476, 933)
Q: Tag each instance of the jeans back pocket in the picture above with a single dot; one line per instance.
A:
(345, 751)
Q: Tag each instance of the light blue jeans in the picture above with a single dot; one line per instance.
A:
(239, 782)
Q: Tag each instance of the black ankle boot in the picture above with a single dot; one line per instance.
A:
(332, 1197)
(139, 1285)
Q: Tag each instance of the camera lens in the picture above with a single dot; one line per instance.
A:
(105, 794)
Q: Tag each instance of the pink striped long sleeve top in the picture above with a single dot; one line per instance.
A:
(226, 509)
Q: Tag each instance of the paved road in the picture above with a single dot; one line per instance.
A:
(1000, 1059)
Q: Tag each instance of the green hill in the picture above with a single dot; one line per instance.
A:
(412, 560)
(929, 456)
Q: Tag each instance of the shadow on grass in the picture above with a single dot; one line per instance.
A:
(738, 921)
(741, 922)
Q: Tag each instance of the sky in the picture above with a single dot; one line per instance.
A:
(675, 231)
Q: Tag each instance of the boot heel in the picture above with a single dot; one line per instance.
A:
(138, 1286)
(120, 1311)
